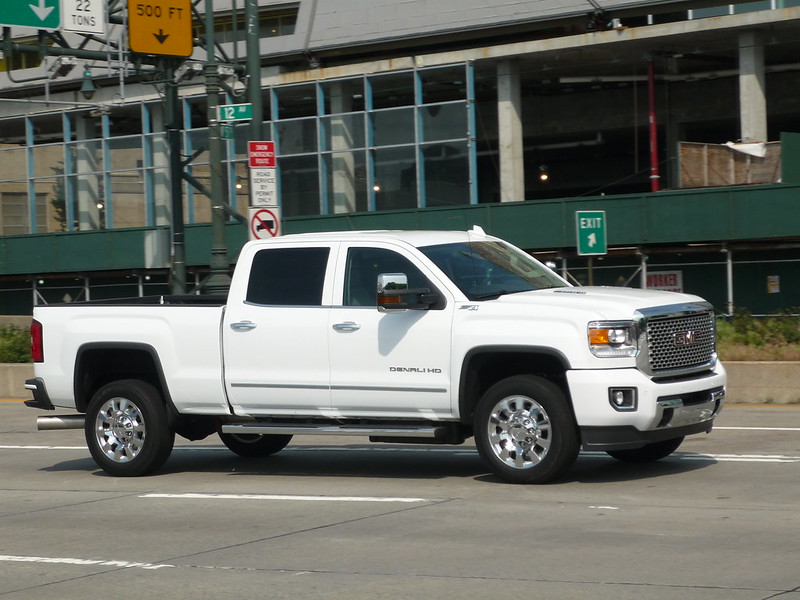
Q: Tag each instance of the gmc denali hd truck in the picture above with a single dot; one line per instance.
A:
(399, 336)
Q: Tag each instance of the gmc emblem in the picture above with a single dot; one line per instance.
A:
(685, 338)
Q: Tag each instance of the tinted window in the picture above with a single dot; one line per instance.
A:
(288, 276)
(363, 267)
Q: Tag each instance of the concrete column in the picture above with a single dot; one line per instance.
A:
(509, 115)
(752, 89)
(162, 200)
(87, 167)
(343, 169)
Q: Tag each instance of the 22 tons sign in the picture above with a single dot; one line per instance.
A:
(84, 16)
(160, 27)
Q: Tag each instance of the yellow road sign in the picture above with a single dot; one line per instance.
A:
(160, 27)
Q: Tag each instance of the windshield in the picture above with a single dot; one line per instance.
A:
(486, 270)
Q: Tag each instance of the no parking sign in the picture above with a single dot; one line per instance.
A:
(265, 223)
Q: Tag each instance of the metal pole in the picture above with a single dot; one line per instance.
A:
(178, 270)
(729, 277)
(219, 280)
(651, 98)
(253, 42)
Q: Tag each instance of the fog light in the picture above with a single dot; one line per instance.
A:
(622, 399)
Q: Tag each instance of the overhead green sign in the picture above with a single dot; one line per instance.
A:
(39, 14)
(591, 231)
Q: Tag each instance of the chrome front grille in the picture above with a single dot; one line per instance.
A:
(677, 343)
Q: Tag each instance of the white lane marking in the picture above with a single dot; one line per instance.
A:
(122, 564)
(755, 458)
(283, 497)
(756, 428)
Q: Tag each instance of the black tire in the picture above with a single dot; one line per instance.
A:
(126, 428)
(254, 445)
(525, 430)
(648, 453)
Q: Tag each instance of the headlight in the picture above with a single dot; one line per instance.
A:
(612, 339)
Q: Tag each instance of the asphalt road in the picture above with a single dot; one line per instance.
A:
(337, 518)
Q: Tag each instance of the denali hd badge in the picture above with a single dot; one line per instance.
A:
(685, 338)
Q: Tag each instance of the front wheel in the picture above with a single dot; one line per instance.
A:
(254, 445)
(648, 453)
(126, 428)
(525, 431)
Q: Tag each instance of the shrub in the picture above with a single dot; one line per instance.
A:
(745, 337)
(15, 344)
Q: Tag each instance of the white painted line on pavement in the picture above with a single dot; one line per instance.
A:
(123, 564)
(756, 428)
(471, 452)
(287, 497)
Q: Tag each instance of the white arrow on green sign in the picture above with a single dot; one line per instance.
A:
(39, 14)
(591, 230)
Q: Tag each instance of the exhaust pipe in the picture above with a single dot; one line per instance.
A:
(60, 422)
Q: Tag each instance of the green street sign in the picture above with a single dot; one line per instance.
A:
(591, 230)
(235, 112)
(39, 14)
(227, 132)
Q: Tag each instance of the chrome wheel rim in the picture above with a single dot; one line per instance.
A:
(519, 432)
(120, 430)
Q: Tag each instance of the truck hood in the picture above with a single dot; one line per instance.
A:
(604, 302)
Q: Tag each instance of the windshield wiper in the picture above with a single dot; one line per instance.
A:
(497, 294)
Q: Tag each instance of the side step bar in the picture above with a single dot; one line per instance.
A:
(430, 433)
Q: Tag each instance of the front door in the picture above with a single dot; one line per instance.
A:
(387, 364)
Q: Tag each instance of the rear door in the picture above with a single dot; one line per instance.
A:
(276, 339)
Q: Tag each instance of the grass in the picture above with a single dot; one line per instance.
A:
(772, 338)
(15, 344)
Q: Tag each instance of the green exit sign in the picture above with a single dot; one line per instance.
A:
(235, 112)
(40, 14)
(591, 232)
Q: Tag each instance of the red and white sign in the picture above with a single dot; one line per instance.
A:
(669, 281)
(261, 154)
(265, 223)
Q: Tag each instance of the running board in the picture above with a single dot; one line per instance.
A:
(429, 433)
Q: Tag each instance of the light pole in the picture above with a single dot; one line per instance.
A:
(218, 281)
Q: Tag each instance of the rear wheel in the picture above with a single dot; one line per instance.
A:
(254, 445)
(648, 453)
(126, 428)
(525, 431)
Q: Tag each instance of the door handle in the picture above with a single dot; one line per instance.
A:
(243, 326)
(347, 326)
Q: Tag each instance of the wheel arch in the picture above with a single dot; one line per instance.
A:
(484, 366)
(97, 364)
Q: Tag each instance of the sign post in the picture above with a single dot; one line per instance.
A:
(39, 14)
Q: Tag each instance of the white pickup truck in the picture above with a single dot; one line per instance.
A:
(400, 336)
